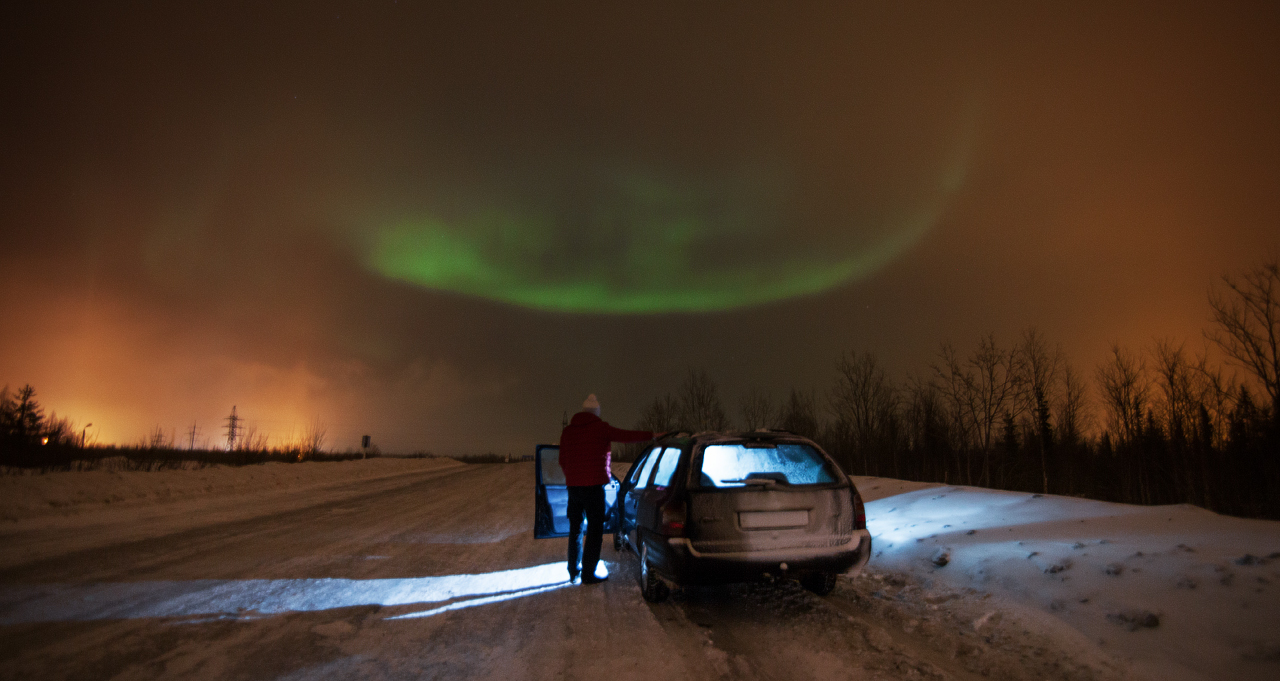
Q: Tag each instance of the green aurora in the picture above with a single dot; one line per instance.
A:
(644, 247)
(662, 275)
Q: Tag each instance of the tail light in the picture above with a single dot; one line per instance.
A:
(673, 517)
(859, 512)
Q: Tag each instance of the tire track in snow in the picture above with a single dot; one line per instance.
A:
(876, 624)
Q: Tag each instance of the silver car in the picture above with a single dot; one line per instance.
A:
(713, 508)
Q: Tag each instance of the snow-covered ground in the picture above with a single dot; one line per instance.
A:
(49, 514)
(427, 568)
(1178, 591)
(36, 495)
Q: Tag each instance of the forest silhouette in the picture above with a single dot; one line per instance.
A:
(1161, 425)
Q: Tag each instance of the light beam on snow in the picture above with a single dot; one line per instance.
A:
(944, 511)
(255, 597)
(480, 601)
(602, 571)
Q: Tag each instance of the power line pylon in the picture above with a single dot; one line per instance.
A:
(233, 429)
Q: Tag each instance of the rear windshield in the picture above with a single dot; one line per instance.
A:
(736, 465)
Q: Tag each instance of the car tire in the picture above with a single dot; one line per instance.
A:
(652, 589)
(821, 583)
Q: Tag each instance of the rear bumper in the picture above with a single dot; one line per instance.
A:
(684, 564)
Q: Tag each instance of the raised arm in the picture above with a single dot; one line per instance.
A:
(620, 435)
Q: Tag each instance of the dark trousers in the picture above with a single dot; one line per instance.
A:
(587, 500)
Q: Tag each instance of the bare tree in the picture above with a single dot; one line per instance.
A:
(1181, 396)
(1042, 370)
(156, 439)
(1247, 317)
(1218, 394)
(1125, 394)
(1073, 420)
(700, 407)
(865, 405)
(758, 410)
(1195, 402)
(983, 390)
(928, 430)
(313, 440)
(662, 414)
(800, 413)
(1179, 387)
(1072, 413)
(250, 440)
(954, 384)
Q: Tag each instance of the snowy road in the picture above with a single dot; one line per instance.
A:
(436, 575)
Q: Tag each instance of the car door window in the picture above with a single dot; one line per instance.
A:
(634, 473)
(643, 481)
(549, 464)
(551, 517)
(666, 467)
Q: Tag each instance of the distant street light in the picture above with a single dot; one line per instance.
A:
(82, 432)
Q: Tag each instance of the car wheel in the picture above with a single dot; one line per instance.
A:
(820, 583)
(653, 589)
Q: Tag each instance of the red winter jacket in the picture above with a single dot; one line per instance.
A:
(584, 448)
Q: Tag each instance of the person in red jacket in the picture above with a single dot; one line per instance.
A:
(584, 456)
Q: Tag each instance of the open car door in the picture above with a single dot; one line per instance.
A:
(551, 497)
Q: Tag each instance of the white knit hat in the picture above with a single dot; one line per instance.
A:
(591, 404)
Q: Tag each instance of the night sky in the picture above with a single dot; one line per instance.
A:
(443, 224)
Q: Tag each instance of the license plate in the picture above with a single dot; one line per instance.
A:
(771, 520)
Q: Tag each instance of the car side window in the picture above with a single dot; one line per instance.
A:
(634, 472)
(666, 467)
(643, 480)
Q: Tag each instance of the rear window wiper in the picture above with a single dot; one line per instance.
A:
(765, 482)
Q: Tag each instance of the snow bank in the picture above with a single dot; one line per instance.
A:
(1178, 591)
(67, 493)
